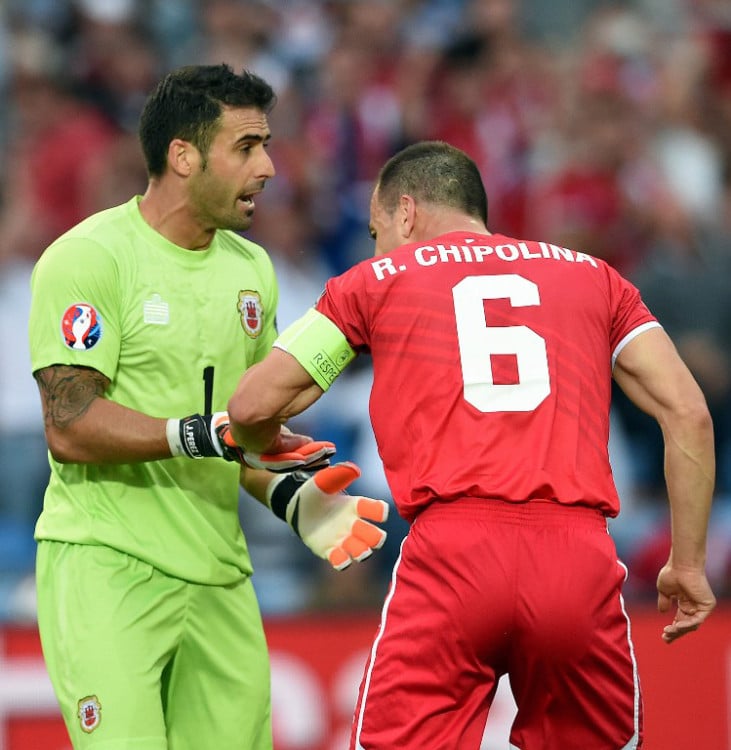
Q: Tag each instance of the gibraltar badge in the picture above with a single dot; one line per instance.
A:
(249, 306)
(90, 713)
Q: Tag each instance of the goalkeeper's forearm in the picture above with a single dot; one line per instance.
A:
(256, 482)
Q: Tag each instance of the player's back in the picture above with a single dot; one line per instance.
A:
(492, 361)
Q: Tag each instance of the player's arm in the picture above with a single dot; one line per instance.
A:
(652, 374)
(305, 360)
(268, 394)
(82, 426)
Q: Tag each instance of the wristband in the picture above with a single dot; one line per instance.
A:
(172, 432)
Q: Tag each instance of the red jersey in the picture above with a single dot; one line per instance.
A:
(492, 362)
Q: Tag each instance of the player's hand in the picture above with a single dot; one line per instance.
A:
(691, 592)
(334, 525)
(291, 453)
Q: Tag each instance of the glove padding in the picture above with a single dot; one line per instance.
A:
(329, 521)
(310, 456)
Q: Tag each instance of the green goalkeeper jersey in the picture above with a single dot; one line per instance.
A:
(173, 330)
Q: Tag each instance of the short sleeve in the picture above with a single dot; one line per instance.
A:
(630, 315)
(75, 308)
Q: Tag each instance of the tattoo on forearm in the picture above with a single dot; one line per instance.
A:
(67, 392)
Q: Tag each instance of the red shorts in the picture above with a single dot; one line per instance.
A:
(485, 588)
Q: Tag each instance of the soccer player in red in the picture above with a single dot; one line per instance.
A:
(493, 359)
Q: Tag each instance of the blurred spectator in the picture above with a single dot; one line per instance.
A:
(240, 33)
(602, 191)
(114, 64)
(54, 140)
(23, 455)
(684, 280)
(353, 125)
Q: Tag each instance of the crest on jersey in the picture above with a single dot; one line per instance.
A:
(81, 326)
(90, 713)
(250, 311)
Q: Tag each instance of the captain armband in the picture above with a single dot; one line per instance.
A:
(318, 345)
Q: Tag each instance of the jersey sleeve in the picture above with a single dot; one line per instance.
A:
(74, 315)
(630, 315)
(345, 303)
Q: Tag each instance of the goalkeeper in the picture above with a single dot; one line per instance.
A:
(142, 319)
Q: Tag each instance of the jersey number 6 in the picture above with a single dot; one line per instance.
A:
(478, 341)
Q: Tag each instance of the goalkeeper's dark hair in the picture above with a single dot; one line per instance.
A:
(188, 104)
(433, 172)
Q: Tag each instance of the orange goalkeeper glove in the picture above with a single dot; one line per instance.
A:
(311, 455)
(333, 524)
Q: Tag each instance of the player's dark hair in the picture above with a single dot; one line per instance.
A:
(433, 172)
(188, 104)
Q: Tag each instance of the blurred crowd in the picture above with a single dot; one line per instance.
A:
(602, 126)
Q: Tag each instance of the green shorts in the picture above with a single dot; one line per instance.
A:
(143, 661)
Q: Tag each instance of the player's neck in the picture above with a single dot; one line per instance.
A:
(434, 225)
(170, 216)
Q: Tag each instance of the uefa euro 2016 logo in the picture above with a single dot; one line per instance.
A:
(81, 326)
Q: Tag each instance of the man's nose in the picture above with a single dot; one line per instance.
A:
(266, 168)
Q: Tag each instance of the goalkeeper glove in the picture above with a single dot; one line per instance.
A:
(312, 456)
(209, 436)
(203, 436)
(329, 521)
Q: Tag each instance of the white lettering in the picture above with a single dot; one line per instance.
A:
(381, 267)
(562, 251)
(425, 261)
(481, 251)
(526, 253)
(446, 252)
(430, 255)
(584, 258)
(507, 252)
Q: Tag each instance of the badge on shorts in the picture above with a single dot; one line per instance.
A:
(81, 326)
(251, 312)
(90, 713)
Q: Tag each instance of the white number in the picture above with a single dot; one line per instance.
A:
(477, 341)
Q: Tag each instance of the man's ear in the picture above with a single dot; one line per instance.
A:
(406, 216)
(183, 156)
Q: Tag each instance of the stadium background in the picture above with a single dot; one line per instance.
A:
(605, 126)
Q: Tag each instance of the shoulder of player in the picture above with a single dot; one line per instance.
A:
(87, 242)
(230, 240)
